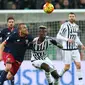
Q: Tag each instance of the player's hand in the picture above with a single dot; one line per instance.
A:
(83, 47)
(59, 46)
(70, 40)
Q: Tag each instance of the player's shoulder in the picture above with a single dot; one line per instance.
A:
(36, 38)
(47, 37)
(64, 24)
(30, 37)
(5, 29)
(76, 25)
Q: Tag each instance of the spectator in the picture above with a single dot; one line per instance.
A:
(82, 4)
(57, 6)
(13, 6)
(65, 4)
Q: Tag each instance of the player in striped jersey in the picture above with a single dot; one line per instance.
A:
(68, 34)
(39, 55)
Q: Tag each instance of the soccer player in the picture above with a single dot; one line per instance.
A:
(6, 32)
(39, 55)
(68, 34)
(17, 43)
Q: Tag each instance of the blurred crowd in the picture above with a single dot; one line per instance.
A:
(38, 4)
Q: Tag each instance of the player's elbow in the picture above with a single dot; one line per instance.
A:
(58, 37)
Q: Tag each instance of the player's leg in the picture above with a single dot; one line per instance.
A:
(53, 70)
(8, 60)
(78, 65)
(46, 67)
(55, 74)
(49, 78)
(67, 61)
(41, 65)
(4, 73)
(13, 71)
(11, 81)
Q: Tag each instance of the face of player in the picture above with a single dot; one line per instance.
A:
(42, 33)
(24, 30)
(72, 18)
(10, 23)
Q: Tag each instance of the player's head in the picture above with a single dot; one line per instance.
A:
(42, 31)
(10, 22)
(23, 30)
(72, 17)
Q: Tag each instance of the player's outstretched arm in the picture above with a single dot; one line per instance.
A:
(54, 42)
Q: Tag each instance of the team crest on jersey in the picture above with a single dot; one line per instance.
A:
(26, 41)
(18, 40)
(8, 33)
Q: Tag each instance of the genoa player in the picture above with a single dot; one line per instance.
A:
(6, 32)
(13, 57)
(39, 55)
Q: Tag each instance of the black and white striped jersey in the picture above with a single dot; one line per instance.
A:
(39, 50)
(69, 31)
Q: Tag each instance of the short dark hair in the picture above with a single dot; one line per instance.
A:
(10, 18)
(72, 13)
(42, 27)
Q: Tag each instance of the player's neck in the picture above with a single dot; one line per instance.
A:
(41, 39)
(71, 22)
(11, 29)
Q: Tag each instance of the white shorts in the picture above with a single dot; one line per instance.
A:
(37, 63)
(70, 56)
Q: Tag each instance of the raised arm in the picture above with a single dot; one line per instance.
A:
(2, 46)
(62, 32)
(54, 42)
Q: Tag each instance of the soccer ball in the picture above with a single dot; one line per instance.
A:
(48, 8)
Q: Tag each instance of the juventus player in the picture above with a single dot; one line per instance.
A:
(68, 34)
(39, 56)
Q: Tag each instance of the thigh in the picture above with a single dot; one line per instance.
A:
(8, 58)
(50, 64)
(15, 67)
(37, 63)
(67, 57)
(76, 56)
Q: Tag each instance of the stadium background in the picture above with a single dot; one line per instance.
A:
(33, 15)
(27, 74)
(35, 18)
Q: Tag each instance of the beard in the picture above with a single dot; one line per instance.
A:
(72, 20)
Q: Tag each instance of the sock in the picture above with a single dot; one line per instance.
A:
(79, 74)
(49, 77)
(51, 84)
(3, 77)
(55, 75)
(62, 72)
(12, 81)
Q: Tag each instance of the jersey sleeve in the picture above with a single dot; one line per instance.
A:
(78, 41)
(30, 38)
(30, 44)
(62, 32)
(1, 33)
